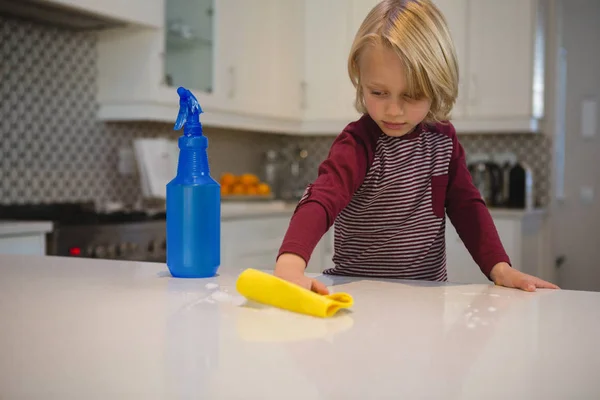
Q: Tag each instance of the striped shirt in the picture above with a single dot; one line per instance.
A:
(388, 197)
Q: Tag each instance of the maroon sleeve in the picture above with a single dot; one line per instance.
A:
(469, 214)
(339, 176)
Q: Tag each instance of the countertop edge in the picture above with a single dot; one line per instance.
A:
(11, 228)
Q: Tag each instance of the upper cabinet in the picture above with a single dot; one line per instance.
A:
(189, 44)
(242, 59)
(456, 12)
(329, 92)
(505, 64)
(281, 66)
(501, 64)
(139, 12)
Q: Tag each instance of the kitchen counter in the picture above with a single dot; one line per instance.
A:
(248, 209)
(76, 328)
(24, 227)
(511, 213)
(231, 210)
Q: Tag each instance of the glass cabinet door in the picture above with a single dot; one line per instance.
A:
(189, 44)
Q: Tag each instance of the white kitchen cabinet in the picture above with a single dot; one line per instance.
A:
(455, 12)
(329, 91)
(268, 68)
(501, 66)
(505, 62)
(141, 12)
(253, 242)
(281, 66)
(521, 233)
(24, 237)
(249, 66)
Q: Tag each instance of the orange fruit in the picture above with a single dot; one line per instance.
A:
(238, 188)
(225, 190)
(249, 179)
(228, 179)
(263, 189)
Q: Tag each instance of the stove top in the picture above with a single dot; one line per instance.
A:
(72, 214)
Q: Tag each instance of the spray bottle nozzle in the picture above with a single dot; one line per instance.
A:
(189, 113)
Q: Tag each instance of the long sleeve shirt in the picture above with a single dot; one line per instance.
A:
(388, 198)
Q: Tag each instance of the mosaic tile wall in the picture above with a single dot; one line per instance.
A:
(52, 149)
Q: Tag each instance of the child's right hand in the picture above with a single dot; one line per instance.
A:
(291, 268)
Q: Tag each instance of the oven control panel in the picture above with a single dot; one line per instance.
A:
(139, 241)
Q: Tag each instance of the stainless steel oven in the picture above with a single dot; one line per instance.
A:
(81, 231)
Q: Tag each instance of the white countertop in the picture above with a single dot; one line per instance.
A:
(256, 209)
(83, 329)
(244, 209)
(24, 227)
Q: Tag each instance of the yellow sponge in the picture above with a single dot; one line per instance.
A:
(268, 289)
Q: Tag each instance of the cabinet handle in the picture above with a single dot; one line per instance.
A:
(303, 95)
(231, 93)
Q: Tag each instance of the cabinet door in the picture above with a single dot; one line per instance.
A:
(500, 58)
(189, 44)
(29, 244)
(254, 69)
(287, 63)
(510, 233)
(455, 13)
(252, 242)
(330, 94)
(459, 263)
(228, 44)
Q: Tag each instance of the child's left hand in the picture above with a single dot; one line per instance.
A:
(504, 275)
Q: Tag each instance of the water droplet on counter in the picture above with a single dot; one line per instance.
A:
(211, 286)
(221, 296)
(491, 309)
(470, 325)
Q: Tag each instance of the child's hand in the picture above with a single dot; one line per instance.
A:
(503, 275)
(291, 268)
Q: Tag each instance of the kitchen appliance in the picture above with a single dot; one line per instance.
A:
(488, 177)
(82, 230)
(482, 179)
(293, 186)
(272, 171)
(521, 187)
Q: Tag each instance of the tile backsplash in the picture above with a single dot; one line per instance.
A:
(532, 150)
(53, 149)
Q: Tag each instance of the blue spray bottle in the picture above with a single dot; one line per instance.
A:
(193, 200)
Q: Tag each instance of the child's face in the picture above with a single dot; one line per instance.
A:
(383, 81)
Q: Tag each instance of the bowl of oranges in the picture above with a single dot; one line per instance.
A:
(244, 187)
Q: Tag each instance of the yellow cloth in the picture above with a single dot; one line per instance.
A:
(268, 289)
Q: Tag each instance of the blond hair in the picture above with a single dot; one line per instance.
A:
(417, 31)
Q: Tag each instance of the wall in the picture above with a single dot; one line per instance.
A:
(53, 149)
(576, 221)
